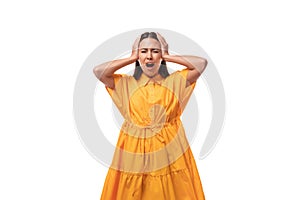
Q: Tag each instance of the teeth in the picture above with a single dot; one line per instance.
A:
(149, 64)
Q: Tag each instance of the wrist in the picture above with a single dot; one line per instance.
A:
(132, 59)
(166, 57)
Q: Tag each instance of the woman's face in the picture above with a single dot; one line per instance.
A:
(150, 56)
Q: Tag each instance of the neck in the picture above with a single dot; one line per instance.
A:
(152, 76)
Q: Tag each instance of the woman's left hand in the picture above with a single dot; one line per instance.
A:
(164, 45)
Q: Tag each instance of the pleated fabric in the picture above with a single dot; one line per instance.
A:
(152, 159)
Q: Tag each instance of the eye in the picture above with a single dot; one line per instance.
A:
(143, 51)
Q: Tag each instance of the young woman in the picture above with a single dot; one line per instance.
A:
(153, 159)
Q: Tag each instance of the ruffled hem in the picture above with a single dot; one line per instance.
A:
(169, 183)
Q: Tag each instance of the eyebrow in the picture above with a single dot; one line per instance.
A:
(150, 48)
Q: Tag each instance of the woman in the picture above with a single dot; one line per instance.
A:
(152, 159)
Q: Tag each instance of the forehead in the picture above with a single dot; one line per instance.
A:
(149, 43)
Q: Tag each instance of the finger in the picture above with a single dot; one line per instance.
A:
(162, 39)
(159, 37)
(159, 34)
(136, 43)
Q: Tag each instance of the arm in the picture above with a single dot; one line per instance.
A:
(104, 72)
(195, 64)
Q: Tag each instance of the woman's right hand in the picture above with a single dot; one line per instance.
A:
(135, 50)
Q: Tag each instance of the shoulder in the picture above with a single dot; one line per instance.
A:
(123, 80)
(181, 77)
(116, 81)
(121, 77)
(181, 74)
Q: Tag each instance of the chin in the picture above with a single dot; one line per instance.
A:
(148, 74)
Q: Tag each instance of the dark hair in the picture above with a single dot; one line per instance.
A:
(163, 71)
(149, 35)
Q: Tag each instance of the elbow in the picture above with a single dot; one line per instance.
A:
(95, 71)
(202, 65)
(205, 64)
(98, 73)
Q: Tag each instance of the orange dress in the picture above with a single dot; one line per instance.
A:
(152, 159)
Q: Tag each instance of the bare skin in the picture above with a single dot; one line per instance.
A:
(195, 64)
(104, 72)
(150, 51)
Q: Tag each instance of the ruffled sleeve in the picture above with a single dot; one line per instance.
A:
(118, 94)
(184, 92)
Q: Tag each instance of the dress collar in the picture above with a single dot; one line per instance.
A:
(145, 80)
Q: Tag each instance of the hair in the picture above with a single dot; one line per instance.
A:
(163, 71)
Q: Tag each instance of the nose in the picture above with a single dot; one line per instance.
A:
(149, 55)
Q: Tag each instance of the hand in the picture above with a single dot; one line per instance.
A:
(164, 45)
(135, 49)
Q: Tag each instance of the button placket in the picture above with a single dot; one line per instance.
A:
(151, 92)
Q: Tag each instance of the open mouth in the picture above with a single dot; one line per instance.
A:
(149, 64)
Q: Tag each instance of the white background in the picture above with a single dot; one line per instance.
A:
(254, 45)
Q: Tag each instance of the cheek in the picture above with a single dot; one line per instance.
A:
(141, 57)
(158, 57)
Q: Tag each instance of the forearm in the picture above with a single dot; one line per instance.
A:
(191, 62)
(108, 69)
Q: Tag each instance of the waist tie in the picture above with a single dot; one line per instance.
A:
(147, 131)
